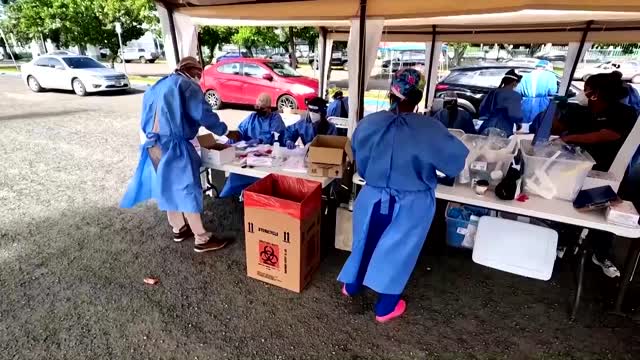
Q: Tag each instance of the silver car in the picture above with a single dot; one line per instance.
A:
(81, 74)
(630, 70)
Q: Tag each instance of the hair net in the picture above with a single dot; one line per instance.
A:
(263, 101)
(542, 63)
(405, 81)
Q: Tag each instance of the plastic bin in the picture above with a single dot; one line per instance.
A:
(494, 160)
(554, 176)
(458, 229)
(457, 133)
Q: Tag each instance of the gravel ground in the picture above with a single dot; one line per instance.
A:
(72, 265)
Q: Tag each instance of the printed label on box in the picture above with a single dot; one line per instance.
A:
(269, 254)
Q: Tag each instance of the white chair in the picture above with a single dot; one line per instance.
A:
(339, 121)
(515, 247)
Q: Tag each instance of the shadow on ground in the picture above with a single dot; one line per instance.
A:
(72, 287)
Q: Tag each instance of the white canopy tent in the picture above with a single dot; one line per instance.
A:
(576, 22)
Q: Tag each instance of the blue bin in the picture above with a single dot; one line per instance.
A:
(457, 227)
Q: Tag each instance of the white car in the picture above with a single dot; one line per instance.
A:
(630, 70)
(81, 74)
(144, 56)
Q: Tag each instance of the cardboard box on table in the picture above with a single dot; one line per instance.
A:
(213, 153)
(282, 230)
(328, 155)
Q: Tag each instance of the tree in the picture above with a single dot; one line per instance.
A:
(458, 52)
(251, 37)
(215, 36)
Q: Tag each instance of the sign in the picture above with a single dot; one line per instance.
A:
(118, 28)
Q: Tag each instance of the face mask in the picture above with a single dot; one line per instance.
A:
(315, 117)
(582, 99)
(261, 112)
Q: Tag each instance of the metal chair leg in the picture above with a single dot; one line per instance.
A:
(576, 301)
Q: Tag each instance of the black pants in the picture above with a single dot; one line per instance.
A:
(601, 242)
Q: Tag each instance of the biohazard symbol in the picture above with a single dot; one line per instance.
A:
(269, 254)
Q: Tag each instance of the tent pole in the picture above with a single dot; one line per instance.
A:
(361, 59)
(322, 50)
(428, 83)
(574, 66)
(174, 37)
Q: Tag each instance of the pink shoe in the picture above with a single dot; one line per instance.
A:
(399, 310)
(344, 290)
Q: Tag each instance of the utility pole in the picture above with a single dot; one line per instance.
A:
(119, 31)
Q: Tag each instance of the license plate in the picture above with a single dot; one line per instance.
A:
(118, 83)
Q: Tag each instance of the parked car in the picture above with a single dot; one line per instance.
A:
(630, 70)
(81, 74)
(280, 57)
(241, 80)
(338, 60)
(139, 54)
(232, 55)
(472, 83)
(406, 59)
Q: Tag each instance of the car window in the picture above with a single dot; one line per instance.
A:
(54, 62)
(82, 62)
(43, 61)
(253, 70)
(482, 77)
(230, 68)
(283, 69)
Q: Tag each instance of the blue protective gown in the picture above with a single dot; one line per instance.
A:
(339, 108)
(181, 109)
(262, 128)
(501, 109)
(462, 121)
(306, 130)
(535, 88)
(397, 155)
(633, 99)
(254, 127)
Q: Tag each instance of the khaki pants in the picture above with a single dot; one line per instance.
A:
(177, 220)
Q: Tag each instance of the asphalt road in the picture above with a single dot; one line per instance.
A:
(72, 265)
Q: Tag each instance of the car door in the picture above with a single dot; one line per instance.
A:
(40, 70)
(229, 82)
(254, 84)
(59, 75)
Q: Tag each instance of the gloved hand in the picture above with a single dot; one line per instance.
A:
(291, 145)
(253, 142)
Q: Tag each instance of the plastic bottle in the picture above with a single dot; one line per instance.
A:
(472, 228)
(277, 152)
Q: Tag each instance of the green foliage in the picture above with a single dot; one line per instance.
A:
(627, 49)
(213, 37)
(80, 22)
(252, 37)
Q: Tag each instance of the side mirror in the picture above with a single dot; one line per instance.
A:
(268, 77)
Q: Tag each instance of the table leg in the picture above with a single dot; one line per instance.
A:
(576, 301)
(631, 264)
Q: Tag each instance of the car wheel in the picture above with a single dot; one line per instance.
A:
(213, 99)
(78, 87)
(34, 85)
(143, 60)
(636, 79)
(287, 101)
(118, 59)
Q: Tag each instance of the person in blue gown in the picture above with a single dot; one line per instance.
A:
(453, 117)
(173, 110)
(339, 107)
(501, 108)
(633, 97)
(258, 128)
(536, 87)
(314, 123)
(397, 153)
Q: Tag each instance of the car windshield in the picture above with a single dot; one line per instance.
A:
(283, 69)
(82, 63)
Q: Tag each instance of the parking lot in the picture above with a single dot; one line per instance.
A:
(72, 265)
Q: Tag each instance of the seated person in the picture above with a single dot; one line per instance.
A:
(632, 97)
(339, 107)
(452, 117)
(600, 126)
(501, 108)
(315, 123)
(257, 128)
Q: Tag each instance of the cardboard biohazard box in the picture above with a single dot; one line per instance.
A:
(282, 230)
(328, 155)
(213, 153)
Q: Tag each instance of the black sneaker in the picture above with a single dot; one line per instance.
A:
(183, 234)
(212, 244)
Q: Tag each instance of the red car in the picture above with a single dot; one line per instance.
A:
(241, 80)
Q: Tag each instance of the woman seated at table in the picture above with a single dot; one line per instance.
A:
(315, 123)
(600, 125)
(397, 153)
(258, 128)
(452, 117)
(502, 108)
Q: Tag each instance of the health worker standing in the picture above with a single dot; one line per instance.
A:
(536, 87)
(173, 110)
(393, 211)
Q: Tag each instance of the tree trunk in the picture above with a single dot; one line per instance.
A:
(292, 49)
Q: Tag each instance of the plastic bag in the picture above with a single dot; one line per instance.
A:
(296, 197)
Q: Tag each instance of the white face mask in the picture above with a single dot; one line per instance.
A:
(315, 117)
(582, 99)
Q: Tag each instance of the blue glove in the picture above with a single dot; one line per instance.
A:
(291, 145)
(253, 142)
(231, 141)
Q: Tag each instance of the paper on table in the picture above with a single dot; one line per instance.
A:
(259, 161)
(294, 164)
